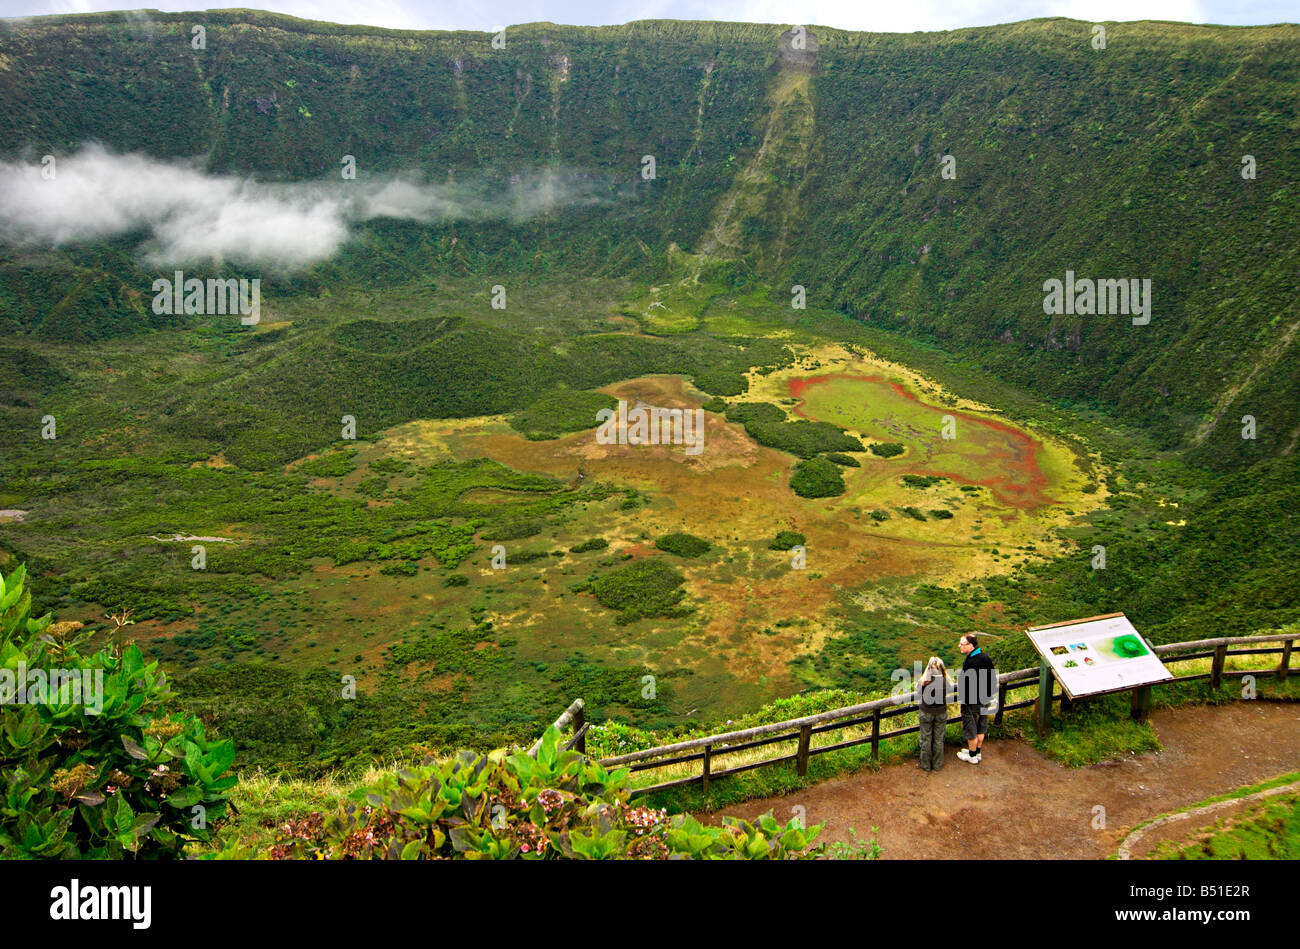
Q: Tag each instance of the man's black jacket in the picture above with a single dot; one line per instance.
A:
(978, 685)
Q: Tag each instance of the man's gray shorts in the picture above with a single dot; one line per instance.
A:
(972, 722)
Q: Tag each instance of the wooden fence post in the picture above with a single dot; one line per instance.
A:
(1286, 660)
(571, 714)
(1002, 700)
(801, 759)
(708, 753)
(1141, 705)
(875, 734)
(579, 721)
(1216, 668)
(1043, 710)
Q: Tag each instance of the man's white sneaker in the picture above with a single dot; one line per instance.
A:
(964, 755)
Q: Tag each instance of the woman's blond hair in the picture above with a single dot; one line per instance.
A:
(934, 668)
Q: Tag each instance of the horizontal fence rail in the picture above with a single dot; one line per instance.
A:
(877, 713)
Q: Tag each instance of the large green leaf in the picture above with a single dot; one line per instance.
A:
(220, 756)
(185, 797)
(133, 749)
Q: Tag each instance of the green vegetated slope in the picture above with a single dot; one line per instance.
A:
(1123, 162)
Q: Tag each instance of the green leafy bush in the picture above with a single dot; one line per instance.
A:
(817, 478)
(556, 806)
(767, 425)
(372, 487)
(847, 461)
(683, 544)
(886, 449)
(132, 778)
(784, 540)
(528, 556)
(513, 530)
(596, 543)
(921, 481)
(720, 381)
(406, 568)
(855, 849)
(643, 588)
(349, 551)
(560, 411)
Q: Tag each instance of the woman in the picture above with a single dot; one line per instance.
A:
(933, 693)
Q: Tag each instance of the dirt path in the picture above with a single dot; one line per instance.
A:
(1019, 804)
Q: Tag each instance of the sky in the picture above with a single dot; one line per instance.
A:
(889, 16)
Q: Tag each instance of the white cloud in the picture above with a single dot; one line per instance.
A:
(192, 217)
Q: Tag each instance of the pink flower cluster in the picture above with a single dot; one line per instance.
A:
(550, 799)
(645, 819)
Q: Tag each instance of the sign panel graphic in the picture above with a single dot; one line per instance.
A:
(1096, 655)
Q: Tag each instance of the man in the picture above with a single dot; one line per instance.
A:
(978, 687)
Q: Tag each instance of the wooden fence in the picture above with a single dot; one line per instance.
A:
(877, 713)
(575, 715)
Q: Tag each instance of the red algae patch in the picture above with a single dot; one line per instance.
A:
(981, 451)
